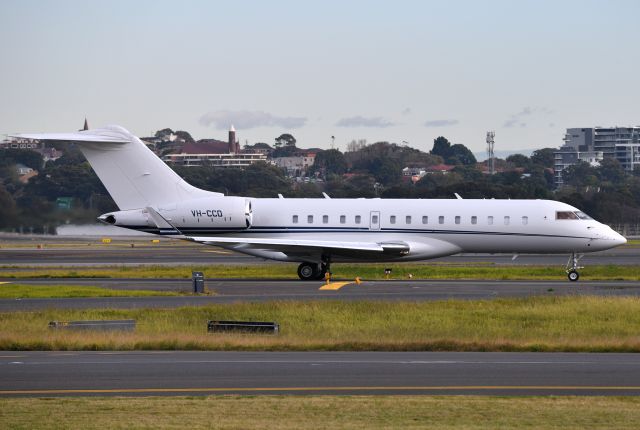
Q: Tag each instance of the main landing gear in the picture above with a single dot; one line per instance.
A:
(572, 267)
(313, 271)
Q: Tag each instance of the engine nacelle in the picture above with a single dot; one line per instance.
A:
(218, 212)
(226, 213)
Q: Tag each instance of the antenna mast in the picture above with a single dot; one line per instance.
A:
(490, 156)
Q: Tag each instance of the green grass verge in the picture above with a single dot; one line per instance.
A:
(342, 271)
(567, 323)
(322, 412)
(17, 291)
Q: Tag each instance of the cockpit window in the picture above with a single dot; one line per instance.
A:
(583, 215)
(566, 215)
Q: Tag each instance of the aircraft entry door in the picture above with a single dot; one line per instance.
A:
(374, 222)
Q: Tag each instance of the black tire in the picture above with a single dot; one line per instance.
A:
(573, 275)
(307, 271)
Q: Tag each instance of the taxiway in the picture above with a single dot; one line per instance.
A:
(233, 291)
(202, 373)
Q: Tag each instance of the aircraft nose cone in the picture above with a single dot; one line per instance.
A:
(619, 239)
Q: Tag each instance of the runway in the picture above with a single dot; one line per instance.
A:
(91, 252)
(201, 373)
(233, 291)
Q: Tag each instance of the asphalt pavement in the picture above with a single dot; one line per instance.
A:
(91, 252)
(202, 373)
(235, 291)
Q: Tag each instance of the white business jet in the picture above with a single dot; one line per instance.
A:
(316, 232)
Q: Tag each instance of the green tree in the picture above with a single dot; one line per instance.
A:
(441, 147)
(543, 157)
(519, 160)
(27, 157)
(7, 209)
(185, 136)
(284, 140)
(164, 132)
(611, 170)
(386, 171)
(580, 174)
(460, 154)
(329, 162)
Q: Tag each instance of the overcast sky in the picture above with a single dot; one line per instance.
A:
(376, 70)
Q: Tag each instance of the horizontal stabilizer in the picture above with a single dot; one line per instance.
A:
(102, 135)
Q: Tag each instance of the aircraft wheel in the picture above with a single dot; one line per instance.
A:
(307, 271)
(573, 275)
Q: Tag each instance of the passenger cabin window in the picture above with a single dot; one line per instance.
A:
(374, 219)
(392, 219)
(425, 220)
(490, 220)
(457, 219)
(507, 220)
(325, 219)
(525, 220)
(566, 215)
(343, 219)
(440, 219)
(408, 219)
(474, 220)
(310, 219)
(295, 219)
(358, 219)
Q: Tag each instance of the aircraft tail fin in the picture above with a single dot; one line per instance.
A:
(134, 176)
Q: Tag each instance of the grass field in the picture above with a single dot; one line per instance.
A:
(17, 291)
(573, 323)
(322, 412)
(342, 271)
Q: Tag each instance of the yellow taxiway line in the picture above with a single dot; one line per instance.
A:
(298, 389)
(334, 285)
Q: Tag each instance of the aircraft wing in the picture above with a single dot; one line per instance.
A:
(285, 245)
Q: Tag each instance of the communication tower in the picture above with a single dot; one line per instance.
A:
(490, 157)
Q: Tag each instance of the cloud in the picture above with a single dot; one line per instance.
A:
(441, 122)
(359, 121)
(517, 119)
(244, 119)
(406, 111)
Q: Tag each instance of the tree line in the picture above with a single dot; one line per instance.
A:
(606, 192)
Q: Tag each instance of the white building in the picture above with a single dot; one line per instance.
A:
(214, 160)
(594, 144)
(296, 165)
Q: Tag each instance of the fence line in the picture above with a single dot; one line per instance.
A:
(630, 231)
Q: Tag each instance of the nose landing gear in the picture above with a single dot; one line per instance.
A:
(572, 267)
